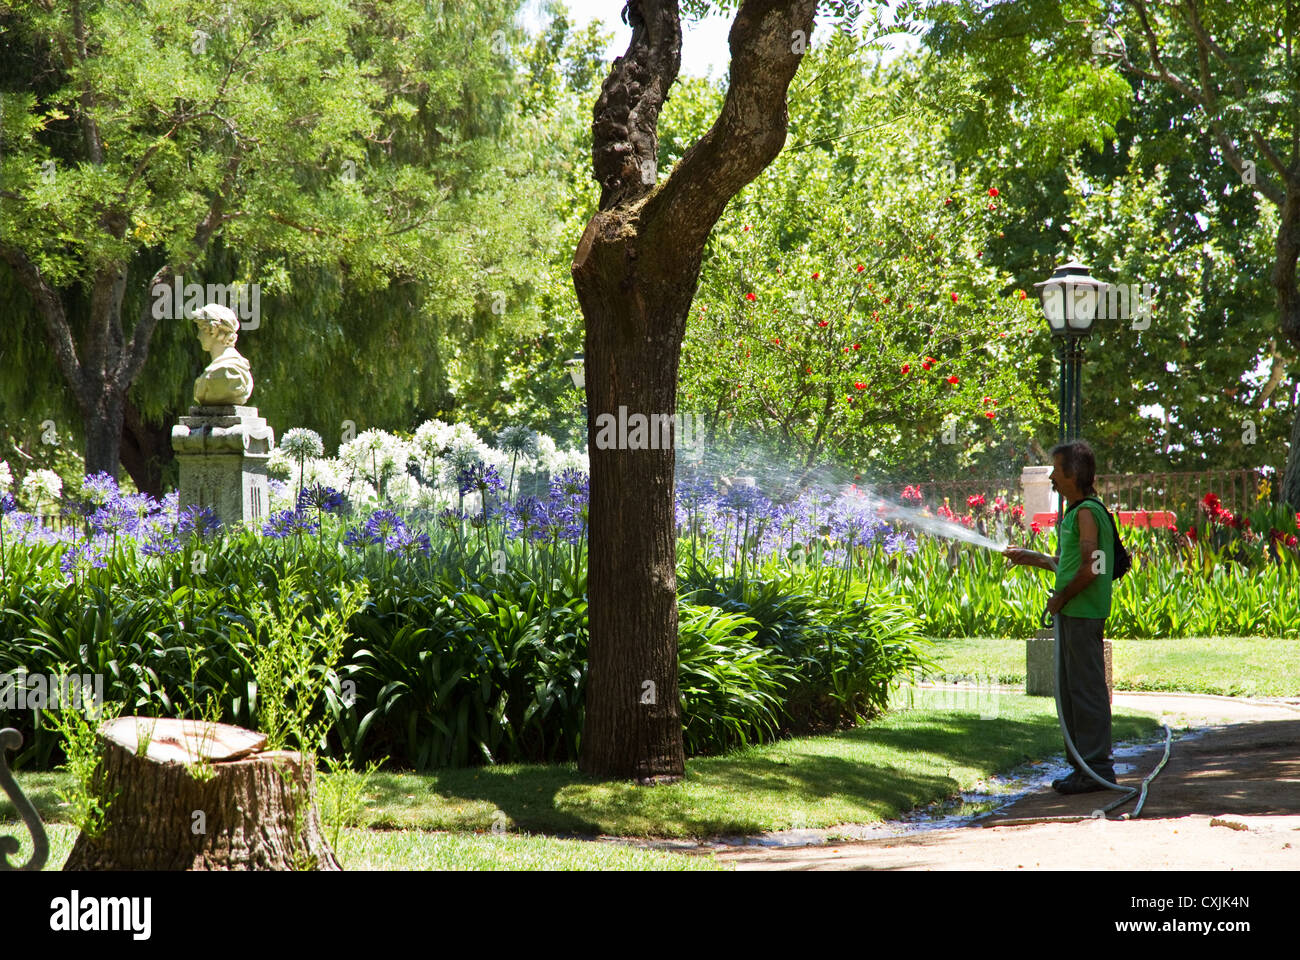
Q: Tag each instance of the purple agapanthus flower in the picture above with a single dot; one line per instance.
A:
(200, 520)
(481, 477)
(320, 497)
(84, 555)
(287, 523)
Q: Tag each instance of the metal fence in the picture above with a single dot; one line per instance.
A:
(1180, 492)
(1177, 492)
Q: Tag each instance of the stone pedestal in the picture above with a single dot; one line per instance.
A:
(1036, 484)
(222, 453)
(1040, 665)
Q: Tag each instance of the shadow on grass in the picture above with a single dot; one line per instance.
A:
(870, 773)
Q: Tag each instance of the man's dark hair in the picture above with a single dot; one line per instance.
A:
(1079, 463)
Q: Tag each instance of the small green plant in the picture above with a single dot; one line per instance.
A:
(84, 749)
(292, 651)
(342, 795)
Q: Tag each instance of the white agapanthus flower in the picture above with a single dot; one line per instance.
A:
(546, 452)
(280, 464)
(302, 444)
(324, 472)
(40, 485)
(375, 454)
(403, 491)
(6, 478)
(432, 437)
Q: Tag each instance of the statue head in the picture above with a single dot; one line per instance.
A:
(219, 323)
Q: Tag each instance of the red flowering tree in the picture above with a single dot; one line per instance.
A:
(846, 311)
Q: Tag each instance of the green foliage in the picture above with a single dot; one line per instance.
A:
(848, 318)
(86, 797)
(291, 652)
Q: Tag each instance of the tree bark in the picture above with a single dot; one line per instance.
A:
(256, 812)
(146, 450)
(635, 273)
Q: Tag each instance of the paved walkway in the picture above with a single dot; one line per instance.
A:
(1229, 798)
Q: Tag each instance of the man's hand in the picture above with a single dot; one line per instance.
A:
(1054, 603)
(1019, 555)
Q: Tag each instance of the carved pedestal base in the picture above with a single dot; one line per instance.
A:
(222, 453)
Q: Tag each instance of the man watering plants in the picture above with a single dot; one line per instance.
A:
(1081, 603)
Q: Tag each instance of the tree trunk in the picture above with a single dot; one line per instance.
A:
(635, 273)
(633, 725)
(1288, 304)
(103, 414)
(1289, 492)
(146, 450)
(255, 812)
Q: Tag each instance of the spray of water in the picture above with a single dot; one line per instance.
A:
(767, 470)
(934, 525)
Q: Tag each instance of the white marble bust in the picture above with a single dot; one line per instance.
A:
(227, 379)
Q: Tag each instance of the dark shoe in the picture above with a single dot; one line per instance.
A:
(1079, 783)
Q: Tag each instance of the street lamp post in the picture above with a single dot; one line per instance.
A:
(1070, 298)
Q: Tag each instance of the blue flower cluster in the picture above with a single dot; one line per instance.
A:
(387, 528)
(562, 516)
(723, 515)
(111, 518)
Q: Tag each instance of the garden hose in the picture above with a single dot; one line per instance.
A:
(1129, 792)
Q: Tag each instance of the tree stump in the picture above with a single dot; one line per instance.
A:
(204, 796)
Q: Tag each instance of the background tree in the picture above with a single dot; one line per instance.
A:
(1213, 102)
(851, 321)
(353, 159)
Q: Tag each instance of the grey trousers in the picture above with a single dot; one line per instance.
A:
(1084, 702)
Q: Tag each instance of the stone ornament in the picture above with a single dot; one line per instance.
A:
(227, 380)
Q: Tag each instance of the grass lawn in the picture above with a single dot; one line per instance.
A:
(1231, 666)
(876, 771)
(361, 849)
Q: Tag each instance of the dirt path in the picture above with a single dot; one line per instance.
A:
(1228, 799)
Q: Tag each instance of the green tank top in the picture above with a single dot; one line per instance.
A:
(1093, 602)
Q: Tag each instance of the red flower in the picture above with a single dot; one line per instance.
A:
(948, 202)
(750, 297)
(912, 494)
(861, 268)
(989, 414)
(954, 297)
(975, 501)
(1023, 294)
(777, 341)
(987, 400)
(822, 323)
(886, 300)
(1291, 540)
(1017, 512)
(809, 370)
(817, 276)
(745, 229)
(993, 206)
(875, 315)
(907, 367)
(860, 385)
(925, 364)
(857, 346)
(1033, 525)
(993, 191)
(952, 380)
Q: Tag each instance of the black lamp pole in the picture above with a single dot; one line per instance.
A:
(1071, 298)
